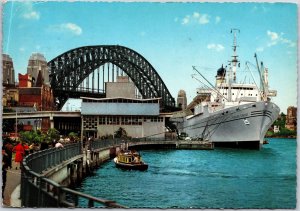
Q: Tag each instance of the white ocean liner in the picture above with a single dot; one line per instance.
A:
(230, 113)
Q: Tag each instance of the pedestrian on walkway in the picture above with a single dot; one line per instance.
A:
(90, 141)
(5, 163)
(44, 145)
(26, 148)
(8, 149)
(34, 147)
(20, 152)
(59, 145)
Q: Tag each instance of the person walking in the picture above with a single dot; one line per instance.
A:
(59, 145)
(5, 163)
(9, 151)
(26, 148)
(44, 145)
(20, 152)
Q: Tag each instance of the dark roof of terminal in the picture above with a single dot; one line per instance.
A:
(120, 100)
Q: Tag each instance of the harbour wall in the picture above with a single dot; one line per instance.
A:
(70, 173)
(73, 171)
(48, 176)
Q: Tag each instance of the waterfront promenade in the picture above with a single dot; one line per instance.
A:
(12, 191)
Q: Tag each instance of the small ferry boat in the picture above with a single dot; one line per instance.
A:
(130, 160)
(266, 141)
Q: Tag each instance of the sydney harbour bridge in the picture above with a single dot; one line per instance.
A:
(83, 71)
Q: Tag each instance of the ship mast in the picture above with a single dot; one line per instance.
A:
(234, 61)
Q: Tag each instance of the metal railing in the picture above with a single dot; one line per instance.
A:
(39, 191)
(100, 144)
(40, 161)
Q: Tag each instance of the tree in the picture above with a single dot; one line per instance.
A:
(73, 136)
(30, 136)
(121, 133)
(280, 121)
(52, 134)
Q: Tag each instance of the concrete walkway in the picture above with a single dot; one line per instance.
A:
(12, 188)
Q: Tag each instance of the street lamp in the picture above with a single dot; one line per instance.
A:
(16, 129)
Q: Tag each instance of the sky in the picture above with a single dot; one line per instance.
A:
(173, 37)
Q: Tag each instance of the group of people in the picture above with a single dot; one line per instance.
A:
(21, 149)
(7, 152)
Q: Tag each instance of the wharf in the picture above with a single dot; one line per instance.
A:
(12, 188)
(191, 144)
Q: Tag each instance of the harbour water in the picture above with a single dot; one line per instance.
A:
(220, 178)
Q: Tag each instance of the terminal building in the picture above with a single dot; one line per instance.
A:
(140, 118)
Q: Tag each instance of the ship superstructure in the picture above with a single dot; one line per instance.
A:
(230, 112)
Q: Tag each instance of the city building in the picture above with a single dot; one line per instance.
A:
(34, 98)
(181, 100)
(10, 96)
(8, 70)
(10, 91)
(37, 64)
(40, 97)
(32, 93)
(291, 118)
(25, 81)
(276, 129)
(102, 117)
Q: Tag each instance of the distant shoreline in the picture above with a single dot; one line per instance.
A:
(287, 137)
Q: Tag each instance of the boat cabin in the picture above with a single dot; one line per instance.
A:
(128, 157)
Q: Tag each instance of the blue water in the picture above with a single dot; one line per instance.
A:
(221, 178)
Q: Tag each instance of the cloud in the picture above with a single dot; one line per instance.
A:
(196, 18)
(33, 15)
(67, 27)
(29, 12)
(72, 27)
(22, 49)
(216, 47)
(273, 35)
(204, 19)
(217, 19)
(288, 42)
(275, 38)
(185, 20)
(196, 15)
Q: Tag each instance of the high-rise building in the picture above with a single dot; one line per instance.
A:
(37, 64)
(181, 99)
(291, 118)
(8, 70)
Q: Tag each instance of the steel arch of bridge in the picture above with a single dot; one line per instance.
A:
(68, 71)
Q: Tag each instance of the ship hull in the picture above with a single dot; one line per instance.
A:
(242, 125)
